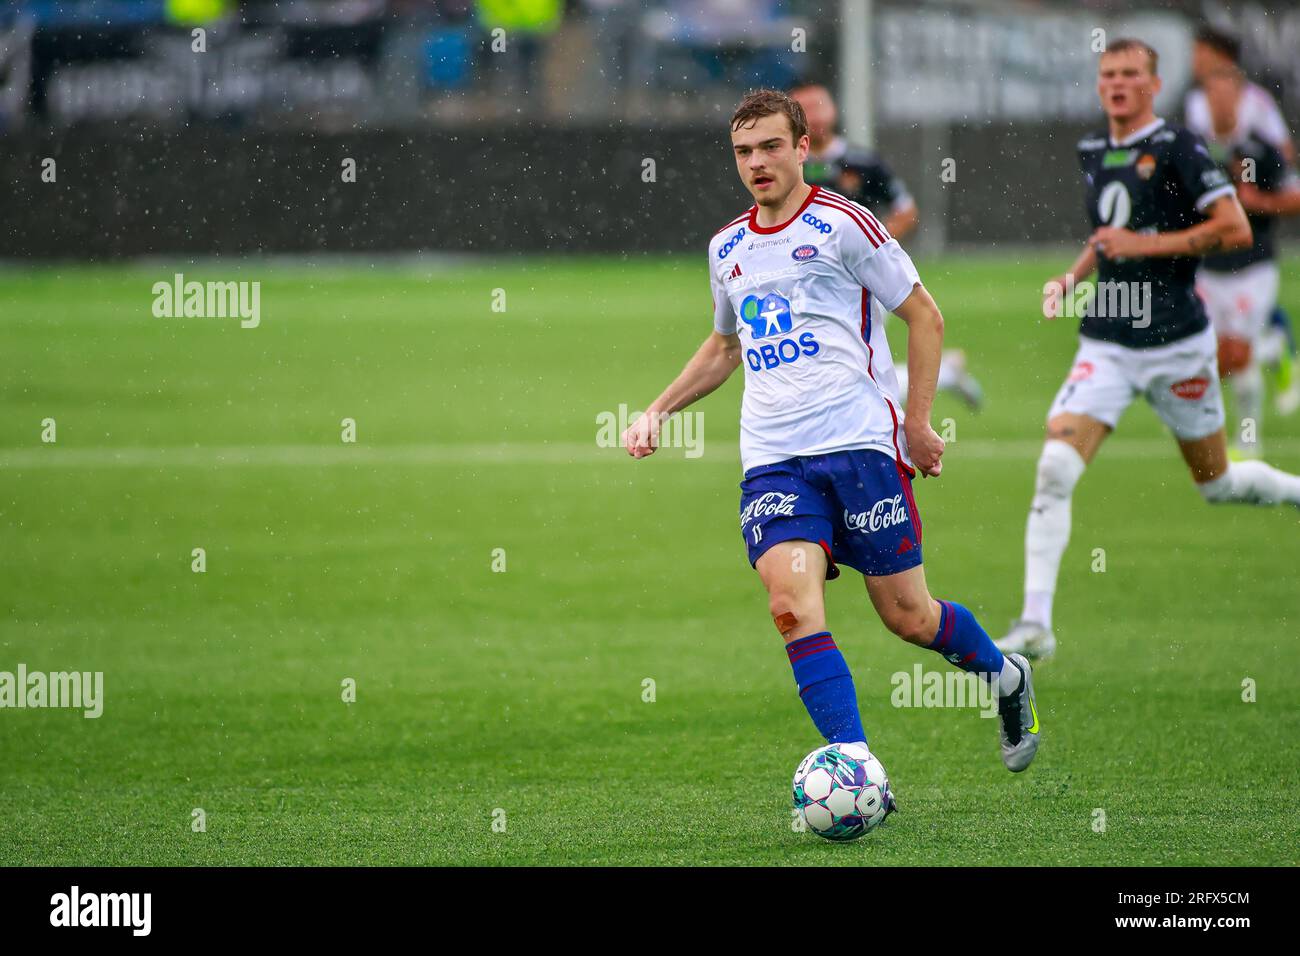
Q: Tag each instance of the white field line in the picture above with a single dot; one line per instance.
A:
(556, 453)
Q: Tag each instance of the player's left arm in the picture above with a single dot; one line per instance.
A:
(1276, 191)
(924, 348)
(1280, 203)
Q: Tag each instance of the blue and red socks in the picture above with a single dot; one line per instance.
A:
(962, 641)
(826, 687)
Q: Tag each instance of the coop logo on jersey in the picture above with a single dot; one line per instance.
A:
(769, 315)
(885, 513)
(731, 244)
(821, 226)
(804, 253)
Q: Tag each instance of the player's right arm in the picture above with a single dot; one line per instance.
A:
(1084, 266)
(710, 366)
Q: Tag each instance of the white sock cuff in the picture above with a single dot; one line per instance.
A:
(1218, 489)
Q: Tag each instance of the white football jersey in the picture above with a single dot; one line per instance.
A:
(808, 299)
(1257, 112)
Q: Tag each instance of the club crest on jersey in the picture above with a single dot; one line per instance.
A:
(804, 253)
(1146, 166)
(769, 315)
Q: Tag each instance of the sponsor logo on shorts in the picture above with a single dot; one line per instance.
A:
(1190, 388)
(804, 253)
(885, 513)
(1081, 371)
(770, 505)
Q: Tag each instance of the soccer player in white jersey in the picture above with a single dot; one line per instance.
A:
(801, 282)
(1216, 55)
(1215, 52)
(1240, 288)
(1157, 202)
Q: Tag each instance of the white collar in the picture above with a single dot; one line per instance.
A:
(1143, 133)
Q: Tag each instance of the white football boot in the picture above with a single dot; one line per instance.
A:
(1029, 638)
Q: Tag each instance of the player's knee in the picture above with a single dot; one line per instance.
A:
(912, 624)
(1059, 468)
(792, 617)
(1234, 355)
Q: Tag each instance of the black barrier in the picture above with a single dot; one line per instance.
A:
(205, 190)
(211, 191)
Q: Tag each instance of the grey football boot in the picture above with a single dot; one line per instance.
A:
(1018, 720)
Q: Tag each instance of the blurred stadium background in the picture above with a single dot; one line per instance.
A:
(540, 146)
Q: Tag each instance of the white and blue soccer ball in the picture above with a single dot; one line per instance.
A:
(841, 791)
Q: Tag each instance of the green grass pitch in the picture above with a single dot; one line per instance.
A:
(521, 691)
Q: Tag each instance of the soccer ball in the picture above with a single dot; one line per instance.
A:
(841, 791)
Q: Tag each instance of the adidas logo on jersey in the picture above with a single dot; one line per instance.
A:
(734, 274)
